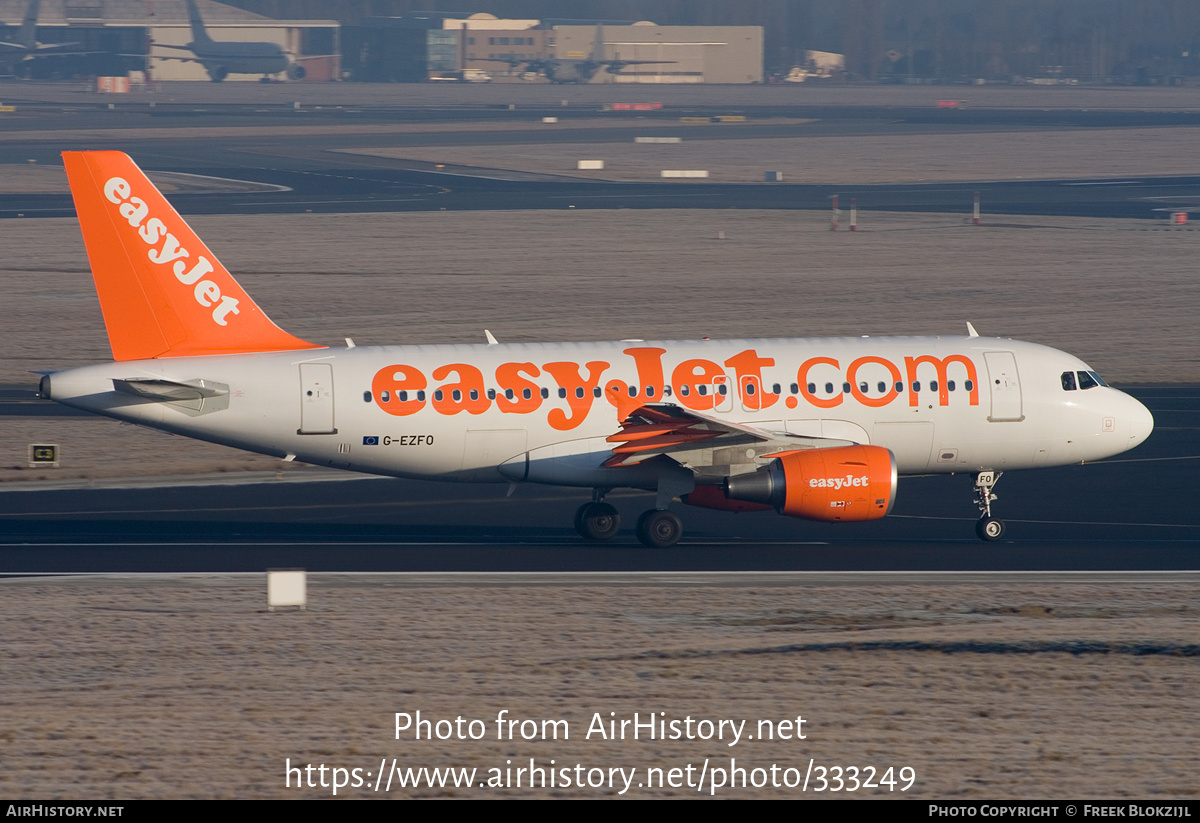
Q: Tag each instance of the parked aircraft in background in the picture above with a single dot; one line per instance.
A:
(26, 47)
(576, 70)
(813, 428)
(223, 58)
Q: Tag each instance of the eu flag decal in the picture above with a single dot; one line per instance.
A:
(371, 440)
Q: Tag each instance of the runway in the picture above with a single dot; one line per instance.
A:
(270, 144)
(340, 189)
(376, 524)
(393, 525)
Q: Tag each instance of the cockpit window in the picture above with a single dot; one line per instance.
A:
(1099, 379)
(1086, 381)
(1068, 381)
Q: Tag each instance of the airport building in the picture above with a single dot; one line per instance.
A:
(675, 54)
(117, 37)
(482, 47)
(148, 38)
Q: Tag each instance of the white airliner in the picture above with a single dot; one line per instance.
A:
(813, 428)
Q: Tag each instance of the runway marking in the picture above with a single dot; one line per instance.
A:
(1108, 183)
(628, 578)
(1055, 522)
(1147, 459)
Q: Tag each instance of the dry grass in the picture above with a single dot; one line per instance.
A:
(190, 689)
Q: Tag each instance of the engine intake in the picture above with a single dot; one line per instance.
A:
(847, 483)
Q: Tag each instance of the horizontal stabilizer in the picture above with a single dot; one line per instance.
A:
(170, 391)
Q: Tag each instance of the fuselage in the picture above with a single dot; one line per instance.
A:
(241, 58)
(542, 412)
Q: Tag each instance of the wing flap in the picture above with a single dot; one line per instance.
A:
(692, 438)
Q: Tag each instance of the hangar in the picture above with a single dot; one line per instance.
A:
(117, 37)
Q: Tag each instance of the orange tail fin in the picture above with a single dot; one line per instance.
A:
(162, 292)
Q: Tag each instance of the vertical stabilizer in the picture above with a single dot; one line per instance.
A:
(199, 34)
(162, 292)
(28, 34)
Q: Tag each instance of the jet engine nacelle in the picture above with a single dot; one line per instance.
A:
(836, 484)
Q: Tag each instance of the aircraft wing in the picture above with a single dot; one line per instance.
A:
(690, 437)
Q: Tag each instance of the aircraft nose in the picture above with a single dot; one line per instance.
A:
(1141, 423)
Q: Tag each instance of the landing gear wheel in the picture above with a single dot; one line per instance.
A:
(659, 529)
(597, 521)
(989, 528)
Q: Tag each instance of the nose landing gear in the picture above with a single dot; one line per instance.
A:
(988, 528)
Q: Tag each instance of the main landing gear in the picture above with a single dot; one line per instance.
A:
(597, 520)
(659, 529)
(656, 528)
(988, 528)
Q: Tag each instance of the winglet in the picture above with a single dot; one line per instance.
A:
(162, 292)
(971, 330)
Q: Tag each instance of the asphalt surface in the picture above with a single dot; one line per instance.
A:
(1130, 513)
(321, 181)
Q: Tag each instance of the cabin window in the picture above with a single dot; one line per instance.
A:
(385, 396)
(750, 389)
(702, 390)
(882, 387)
(846, 388)
(596, 392)
(933, 385)
(776, 389)
(950, 385)
(545, 392)
(829, 388)
(916, 387)
(509, 394)
(649, 391)
(437, 395)
(684, 390)
(795, 387)
(579, 392)
(457, 395)
(366, 397)
(666, 391)
(969, 386)
(421, 395)
(633, 391)
(491, 394)
(563, 393)
(402, 396)
(863, 387)
(723, 389)
(474, 394)
(527, 394)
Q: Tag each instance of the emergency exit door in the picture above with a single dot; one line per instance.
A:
(316, 399)
(1005, 386)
